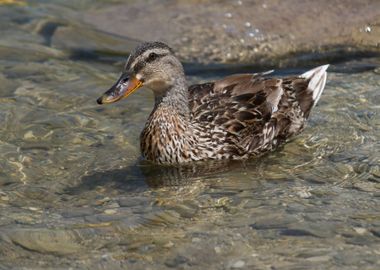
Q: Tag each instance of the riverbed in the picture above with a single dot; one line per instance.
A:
(75, 193)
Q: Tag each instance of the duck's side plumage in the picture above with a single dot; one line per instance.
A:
(257, 113)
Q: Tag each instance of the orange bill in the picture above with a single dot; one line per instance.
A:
(121, 89)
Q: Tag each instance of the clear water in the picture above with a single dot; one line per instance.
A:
(75, 193)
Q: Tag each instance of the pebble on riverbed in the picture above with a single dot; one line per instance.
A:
(238, 264)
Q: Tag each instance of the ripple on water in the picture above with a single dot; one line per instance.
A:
(74, 193)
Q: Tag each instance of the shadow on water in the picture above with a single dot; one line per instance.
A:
(144, 175)
(289, 63)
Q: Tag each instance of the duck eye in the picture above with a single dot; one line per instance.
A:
(152, 56)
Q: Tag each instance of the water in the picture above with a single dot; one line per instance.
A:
(75, 193)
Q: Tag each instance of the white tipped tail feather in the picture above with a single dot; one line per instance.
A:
(317, 77)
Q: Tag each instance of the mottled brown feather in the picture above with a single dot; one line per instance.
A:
(233, 118)
(254, 110)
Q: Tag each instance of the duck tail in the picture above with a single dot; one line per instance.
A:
(317, 81)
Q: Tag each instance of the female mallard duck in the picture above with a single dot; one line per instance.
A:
(237, 117)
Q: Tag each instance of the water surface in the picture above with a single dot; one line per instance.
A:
(74, 191)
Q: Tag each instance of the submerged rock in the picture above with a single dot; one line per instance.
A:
(58, 242)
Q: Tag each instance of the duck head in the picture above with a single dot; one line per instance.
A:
(151, 64)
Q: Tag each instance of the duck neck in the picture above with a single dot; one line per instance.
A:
(175, 98)
(168, 129)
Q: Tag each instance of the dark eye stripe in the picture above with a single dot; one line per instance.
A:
(150, 59)
(141, 64)
(142, 48)
(152, 56)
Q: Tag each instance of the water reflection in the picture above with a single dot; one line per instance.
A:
(144, 175)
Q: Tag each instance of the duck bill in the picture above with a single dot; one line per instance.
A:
(121, 89)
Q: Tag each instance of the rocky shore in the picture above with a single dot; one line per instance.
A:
(264, 32)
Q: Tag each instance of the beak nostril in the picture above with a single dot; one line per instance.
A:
(125, 79)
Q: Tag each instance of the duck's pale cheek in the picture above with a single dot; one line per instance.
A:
(158, 85)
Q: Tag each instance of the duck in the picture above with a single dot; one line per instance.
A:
(233, 118)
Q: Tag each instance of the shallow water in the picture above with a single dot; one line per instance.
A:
(75, 193)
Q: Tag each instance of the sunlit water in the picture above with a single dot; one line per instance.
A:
(74, 191)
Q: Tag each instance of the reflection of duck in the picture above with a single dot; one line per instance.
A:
(144, 175)
(233, 118)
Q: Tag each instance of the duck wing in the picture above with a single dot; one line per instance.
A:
(256, 111)
(235, 101)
